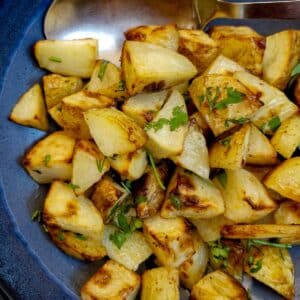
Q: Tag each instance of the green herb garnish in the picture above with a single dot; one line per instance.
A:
(37, 171)
(239, 121)
(294, 74)
(140, 199)
(55, 59)
(102, 69)
(36, 216)
(46, 160)
(73, 186)
(222, 178)
(127, 185)
(100, 164)
(119, 238)
(220, 253)
(266, 243)
(209, 97)
(80, 236)
(176, 202)
(60, 236)
(155, 171)
(233, 97)
(45, 228)
(272, 125)
(121, 86)
(225, 142)
(255, 266)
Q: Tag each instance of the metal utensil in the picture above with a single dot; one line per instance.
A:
(106, 20)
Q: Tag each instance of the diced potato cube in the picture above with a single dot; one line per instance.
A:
(259, 171)
(111, 281)
(167, 140)
(89, 165)
(30, 109)
(107, 195)
(56, 87)
(287, 138)
(193, 269)
(218, 286)
(77, 245)
(107, 80)
(170, 239)
(223, 101)
(165, 36)
(241, 44)
(202, 124)
(194, 156)
(285, 179)
(281, 55)
(288, 213)
(197, 46)
(149, 68)
(160, 283)
(73, 58)
(125, 136)
(260, 150)
(246, 199)
(191, 196)
(143, 107)
(277, 270)
(130, 166)
(133, 252)
(51, 158)
(77, 214)
(230, 152)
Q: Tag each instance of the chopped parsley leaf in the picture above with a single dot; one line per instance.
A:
(73, 186)
(121, 86)
(176, 202)
(55, 59)
(155, 172)
(220, 253)
(272, 125)
(119, 238)
(233, 97)
(225, 142)
(140, 199)
(222, 178)
(100, 164)
(36, 216)
(60, 236)
(239, 121)
(255, 266)
(80, 236)
(102, 69)
(46, 160)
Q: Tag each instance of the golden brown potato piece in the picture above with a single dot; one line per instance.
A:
(170, 239)
(149, 68)
(288, 213)
(191, 196)
(281, 55)
(202, 124)
(51, 158)
(273, 267)
(260, 151)
(125, 136)
(160, 283)
(107, 80)
(107, 195)
(218, 286)
(198, 47)
(193, 269)
(223, 101)
(296, 91)
(89, 165)
(56, 115)
(230, 152)
(287, 138)
(56, 87)
(166, 36)
(259, 171)
(148, 194)
(285, 179)
(111, 281)
(71, 58)
(77, 245)
(246, 199)
(30, 109)
(241, 44)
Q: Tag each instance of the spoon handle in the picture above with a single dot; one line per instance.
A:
(268, 9)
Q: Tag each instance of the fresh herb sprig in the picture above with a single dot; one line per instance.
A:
(102, 69)
(220, 252)
(272, 125)
(155, 171)
(176, 201)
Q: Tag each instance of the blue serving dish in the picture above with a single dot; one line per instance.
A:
(31, 267)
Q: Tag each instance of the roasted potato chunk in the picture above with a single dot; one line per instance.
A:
(89, 165)
(277, 107)
(30, 109)
(133, 252)
(107, 195)
(57, 87)
(166, 36)
(111, 281)
(107, 80)
(218, 286)
(287, 138)
(191, 196)
(285, 179)
(160, 283)
(194, 156)
(77, 245)
(273, 267)
(198, 47)
(193, 269)
(166, 138)
(51, 158)
(170, 239)
(71, 58)
(149, 68)
(223, 101)
(77, 214)
(296, 91)
(148, 193)
(143, 107)
(130, 166)
(246, 199)
(125, 136)
(231, 152)
(56, 115)
(288, 213)
(241, 44)
(281, 55)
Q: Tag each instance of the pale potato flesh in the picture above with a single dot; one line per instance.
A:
(288, 213)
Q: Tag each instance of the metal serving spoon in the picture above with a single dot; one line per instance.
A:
(106, 20)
